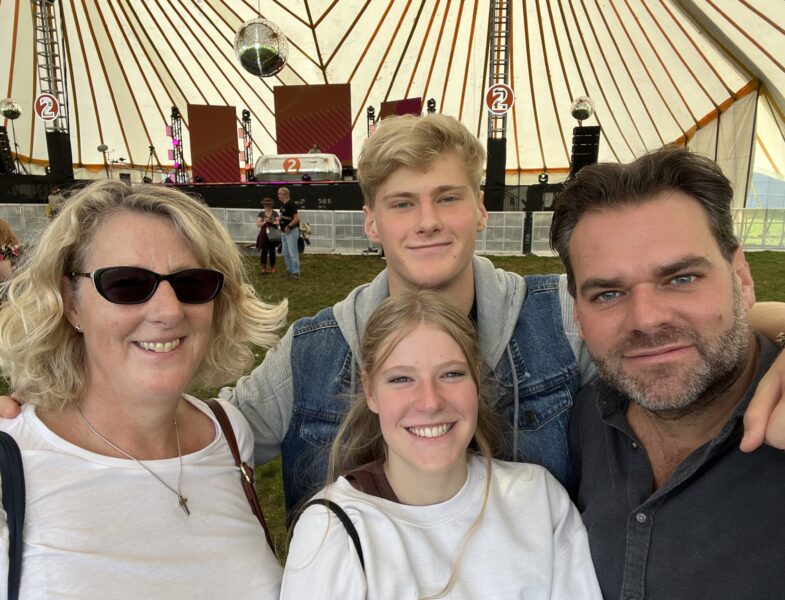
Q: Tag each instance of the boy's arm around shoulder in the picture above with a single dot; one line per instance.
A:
(265, 398)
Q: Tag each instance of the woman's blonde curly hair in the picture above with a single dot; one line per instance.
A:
(41, 353)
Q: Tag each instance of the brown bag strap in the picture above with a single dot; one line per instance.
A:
(247, 472)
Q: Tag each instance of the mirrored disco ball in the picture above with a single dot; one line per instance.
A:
(10, 108)
(261, 48)
(582, 108)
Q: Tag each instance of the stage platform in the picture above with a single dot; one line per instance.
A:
(322, 195)
(316, 195)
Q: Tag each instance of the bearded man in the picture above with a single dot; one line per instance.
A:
(661, 289)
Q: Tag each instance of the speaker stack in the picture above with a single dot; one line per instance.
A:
(585, 147)
(6, 161)
(58, 145)
(494, 173)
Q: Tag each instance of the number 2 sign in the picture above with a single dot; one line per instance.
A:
(47, 107)
(499, 98)
(291, 164)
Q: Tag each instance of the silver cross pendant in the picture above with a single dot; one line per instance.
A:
(183, 501)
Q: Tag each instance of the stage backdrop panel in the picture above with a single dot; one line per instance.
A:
(215, 153)
(314, 114)
(409, 106)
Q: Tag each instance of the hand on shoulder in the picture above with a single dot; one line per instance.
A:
(9, 407)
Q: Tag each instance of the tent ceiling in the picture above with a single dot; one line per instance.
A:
(656, 69)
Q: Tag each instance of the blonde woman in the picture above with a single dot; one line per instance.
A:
(432, 513)
(132, 296)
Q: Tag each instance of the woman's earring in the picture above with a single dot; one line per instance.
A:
(78, 329)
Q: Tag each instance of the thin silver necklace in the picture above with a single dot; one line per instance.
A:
(181, 500)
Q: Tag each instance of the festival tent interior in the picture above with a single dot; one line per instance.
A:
(130, 76)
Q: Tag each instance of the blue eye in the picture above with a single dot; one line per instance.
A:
(684, 279)
(401, 204)
(606, 296)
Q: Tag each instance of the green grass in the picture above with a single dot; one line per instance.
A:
(327, 279)
(768, 270)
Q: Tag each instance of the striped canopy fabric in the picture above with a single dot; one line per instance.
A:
(658, 71)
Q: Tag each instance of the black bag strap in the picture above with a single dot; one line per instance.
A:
(347, 523)
(13, 486)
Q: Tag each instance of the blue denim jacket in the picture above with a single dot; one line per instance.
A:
(538, 367)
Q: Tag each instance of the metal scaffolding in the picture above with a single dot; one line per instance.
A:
(499, 67)
(51, 78)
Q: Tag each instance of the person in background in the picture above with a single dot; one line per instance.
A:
(674, 508)
(10, 251)
(133, 295)
(434, 514)
(290, 232)
(269, 233)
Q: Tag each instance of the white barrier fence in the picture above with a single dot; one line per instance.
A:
(341, 232)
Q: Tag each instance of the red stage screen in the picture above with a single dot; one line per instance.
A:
(410, 106)
(215, 154)
(314, 114)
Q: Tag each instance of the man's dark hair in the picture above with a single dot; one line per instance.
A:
(610, 185)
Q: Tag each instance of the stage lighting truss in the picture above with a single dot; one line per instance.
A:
(247, 146)
(370, 114)
(175, 131)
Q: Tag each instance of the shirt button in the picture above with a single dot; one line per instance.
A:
(529, 417)
(635, 446)
(640, 517)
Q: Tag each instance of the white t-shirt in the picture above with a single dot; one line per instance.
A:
(104, 528)
(531, 543)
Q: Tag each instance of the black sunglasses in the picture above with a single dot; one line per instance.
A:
(134, 285)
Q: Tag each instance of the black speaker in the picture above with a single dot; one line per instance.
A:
(494, 174)
(585, 147)
(58, 144)
(7, 165)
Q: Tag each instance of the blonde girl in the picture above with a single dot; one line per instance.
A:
(421, 509)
